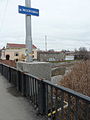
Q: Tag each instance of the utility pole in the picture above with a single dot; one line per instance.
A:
(28, 11)
(28, 33)
(45, 43)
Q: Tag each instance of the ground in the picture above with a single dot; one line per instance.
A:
(13, 106)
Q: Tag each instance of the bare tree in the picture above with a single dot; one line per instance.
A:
(82, 54)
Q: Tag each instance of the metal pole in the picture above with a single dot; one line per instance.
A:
(28, 34)
(45, 42)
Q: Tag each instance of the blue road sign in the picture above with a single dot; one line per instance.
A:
(28, 11)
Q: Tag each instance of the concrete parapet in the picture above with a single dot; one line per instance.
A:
(41, 70)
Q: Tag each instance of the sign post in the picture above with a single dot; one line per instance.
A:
(28, 33)
(28, 11)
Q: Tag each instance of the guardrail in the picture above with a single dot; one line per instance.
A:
(55, 102)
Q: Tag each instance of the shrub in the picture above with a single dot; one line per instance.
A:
(79, 78)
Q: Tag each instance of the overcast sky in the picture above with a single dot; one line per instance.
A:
(65, 22)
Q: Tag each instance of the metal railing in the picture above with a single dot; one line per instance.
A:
(55, 102)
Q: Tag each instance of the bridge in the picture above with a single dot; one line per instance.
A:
(13, 106)
(23, 97)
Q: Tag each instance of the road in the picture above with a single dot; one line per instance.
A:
(13, 106)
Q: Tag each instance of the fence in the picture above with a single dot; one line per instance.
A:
(55, 102)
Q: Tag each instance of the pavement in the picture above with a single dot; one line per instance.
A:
(13, 106)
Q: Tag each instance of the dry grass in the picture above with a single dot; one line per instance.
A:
(79, 78)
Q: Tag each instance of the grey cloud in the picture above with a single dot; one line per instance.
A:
(65, 21)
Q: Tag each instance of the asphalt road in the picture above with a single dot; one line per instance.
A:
(13, 106)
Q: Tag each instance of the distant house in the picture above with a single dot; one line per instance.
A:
(69, 57)
(45, 56)
(16, 52)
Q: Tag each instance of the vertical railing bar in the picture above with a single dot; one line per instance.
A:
(69, 108)
(56, 101)
(2, 69)
(7, 73)
(62, 105)
(33, 90)
(38, 83)
(87, 111)
(77, 109)
(30, 87)
(28, 93)
(35, 93)
(51, 102)
(46, 87)
(22, 84)
(11, 76)
(27, 84)
(18, 80)
(15, 77)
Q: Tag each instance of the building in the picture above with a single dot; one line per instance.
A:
(69, 57)
(46, 56)
(16, 52)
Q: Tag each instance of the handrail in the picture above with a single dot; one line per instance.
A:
(70, 91)
(44, 94)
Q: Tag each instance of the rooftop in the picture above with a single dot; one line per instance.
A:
(14, 45)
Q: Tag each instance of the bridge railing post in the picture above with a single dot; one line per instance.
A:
(42, 98)
(2, 70)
